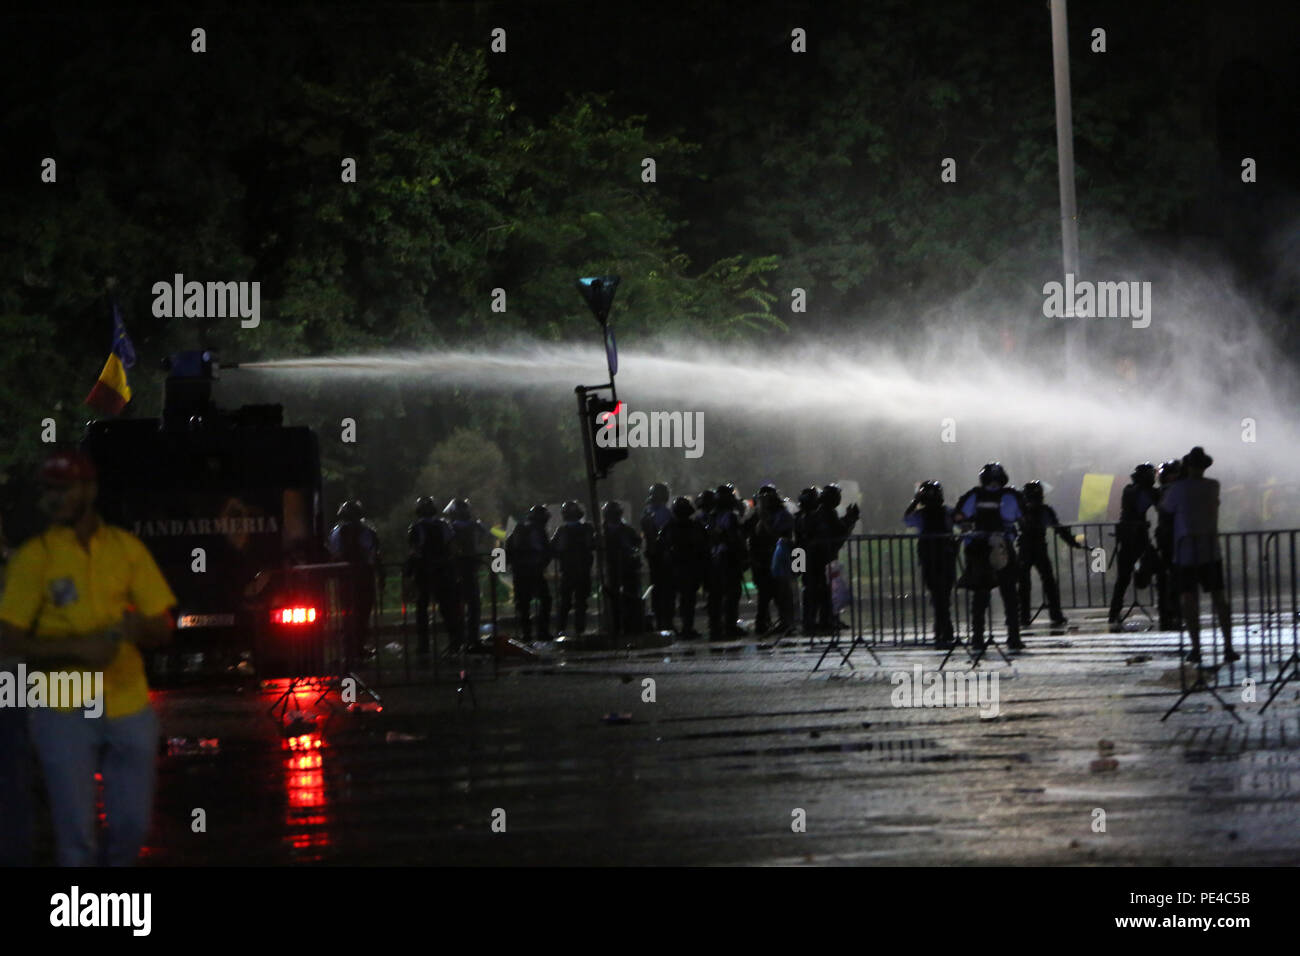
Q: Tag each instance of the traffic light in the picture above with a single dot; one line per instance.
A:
(601, 419)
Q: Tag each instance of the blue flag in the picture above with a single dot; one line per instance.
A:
(122, 346)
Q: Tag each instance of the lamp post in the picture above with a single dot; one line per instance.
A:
(1075, 334)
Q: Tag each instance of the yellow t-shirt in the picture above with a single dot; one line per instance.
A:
(67, 590)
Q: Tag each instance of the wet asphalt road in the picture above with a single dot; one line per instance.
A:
(739, 738)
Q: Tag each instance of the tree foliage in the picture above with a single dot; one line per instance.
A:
(774, 170)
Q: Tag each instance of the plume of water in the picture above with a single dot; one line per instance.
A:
(1203, 374)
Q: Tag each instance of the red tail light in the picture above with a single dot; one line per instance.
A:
(293, 615)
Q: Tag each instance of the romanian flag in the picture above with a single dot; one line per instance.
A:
(111, 392)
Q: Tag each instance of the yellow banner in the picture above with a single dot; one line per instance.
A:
(1094, 497)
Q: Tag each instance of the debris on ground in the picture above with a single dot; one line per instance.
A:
(192, 746)
(509, 647)
(397, 737)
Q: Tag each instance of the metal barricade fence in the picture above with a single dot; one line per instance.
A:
(890, 605)
(393, 631)
(394, 627)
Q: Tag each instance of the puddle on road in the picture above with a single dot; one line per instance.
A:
(808, 730)
(307, 812)
(753, 714)
(911, 750)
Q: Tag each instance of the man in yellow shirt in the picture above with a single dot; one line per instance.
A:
(84, 596)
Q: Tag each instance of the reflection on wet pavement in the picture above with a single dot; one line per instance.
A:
(307, 805)
(711, 770)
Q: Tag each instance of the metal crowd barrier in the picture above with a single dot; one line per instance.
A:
(393, 629)
(889, 604)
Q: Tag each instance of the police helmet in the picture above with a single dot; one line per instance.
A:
(725, 495)
(994, 473)
(769, 495)
(613, 511)
(458, 508)
(808, 498)
(682, 507)
(1144, 474)
(929, 492)
(571, 511)
(1197, 458)
(1170, 471)
(351, 510)
(705, 500)
(425, 507)
(831, 495)
(658, 494)
(1033, 491)
(539, 514)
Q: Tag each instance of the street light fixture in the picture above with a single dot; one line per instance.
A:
(599, 293)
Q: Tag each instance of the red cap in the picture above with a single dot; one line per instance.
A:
(66, 467)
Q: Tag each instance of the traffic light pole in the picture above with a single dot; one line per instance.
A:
(598, 291)
(589, 456)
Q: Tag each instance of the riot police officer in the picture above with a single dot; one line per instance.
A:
(653, 520)
(826, 533)
(705, 502)
(574, 547)
(1193, 500)
(1132, 537)
(429, 569)
(1167, 597)
(354, 539)
(765, 527)
(803, 529)
(528, 552)
(1036, 517)
(622, 570)
(685, 543)
(470, 545)
(936, 550)
(992, 509)
(727, 565)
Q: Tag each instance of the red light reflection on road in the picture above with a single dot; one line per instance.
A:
(307, 817)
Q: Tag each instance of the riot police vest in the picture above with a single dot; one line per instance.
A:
(428, 538)
(356, 543)
(988, 510)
